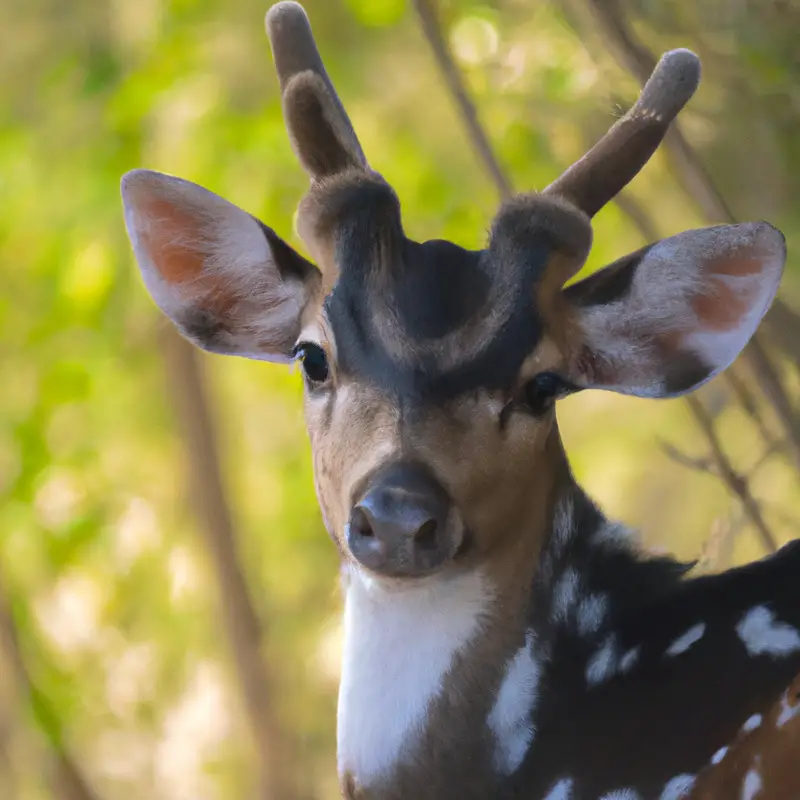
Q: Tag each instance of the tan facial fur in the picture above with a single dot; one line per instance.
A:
(492, 471)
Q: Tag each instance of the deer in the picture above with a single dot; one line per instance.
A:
(502, 637)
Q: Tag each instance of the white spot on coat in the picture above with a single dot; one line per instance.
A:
(752, 785)
(561, 791)
(719, 755)
(591, 613)
(612, 534)
(677, 787)
(562, 525)
(630, 658)
(686, 640)
(565, 595)
(788, 711)
(510, 718)
(751, 723)
(762, 634)
(399, 644)
(603, 664)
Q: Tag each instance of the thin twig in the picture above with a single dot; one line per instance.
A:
(748, 403)
(783, 330)
(241, 622)
(451, 75)
(708, 466)
(773, 388)
(699, 464)
(67, 780)
(772, 448)
(717, 550)
(709, 550)
(737, 484)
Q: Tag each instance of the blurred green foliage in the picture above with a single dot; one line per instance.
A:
(111, 589)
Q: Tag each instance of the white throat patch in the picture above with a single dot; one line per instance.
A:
(399, 645)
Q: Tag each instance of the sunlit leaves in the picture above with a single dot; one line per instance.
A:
(112, 588)
(377, 14)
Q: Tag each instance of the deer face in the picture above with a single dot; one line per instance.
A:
(431, 371)
(430, 379)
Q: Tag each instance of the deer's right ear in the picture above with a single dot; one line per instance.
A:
(228, 283)
(663, 321)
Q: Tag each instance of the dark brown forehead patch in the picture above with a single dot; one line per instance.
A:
(438, 288)
(430, 320)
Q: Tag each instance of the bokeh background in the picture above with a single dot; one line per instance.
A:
(168, 596)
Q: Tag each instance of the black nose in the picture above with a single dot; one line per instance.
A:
(404, 524)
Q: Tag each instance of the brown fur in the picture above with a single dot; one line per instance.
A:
(324, 208)
(769, 752)
(355, 429)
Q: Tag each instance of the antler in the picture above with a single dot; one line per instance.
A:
(321, 132)
(616, 159)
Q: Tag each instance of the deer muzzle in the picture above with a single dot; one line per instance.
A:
(404, 524)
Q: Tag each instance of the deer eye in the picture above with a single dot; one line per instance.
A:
(314, 360)
(541, 392)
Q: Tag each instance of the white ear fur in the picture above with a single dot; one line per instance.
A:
(689, 306)
(211, 268)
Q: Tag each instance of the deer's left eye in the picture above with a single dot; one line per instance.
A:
(314, 360)
(541, 392)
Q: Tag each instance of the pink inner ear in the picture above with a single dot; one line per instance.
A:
(168, 240)
(171, 241)
(725, 304)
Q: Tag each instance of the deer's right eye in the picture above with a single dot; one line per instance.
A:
(314, 360)
(543, 390)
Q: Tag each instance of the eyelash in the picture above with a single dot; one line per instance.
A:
(314, 362)
(541, 392)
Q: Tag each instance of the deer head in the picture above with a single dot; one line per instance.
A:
(431, 371)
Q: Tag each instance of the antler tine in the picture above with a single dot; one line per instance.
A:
(616, 159)
(297, 61)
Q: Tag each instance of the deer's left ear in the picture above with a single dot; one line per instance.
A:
(664, 320)
(228, 282)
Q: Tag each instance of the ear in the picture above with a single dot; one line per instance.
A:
(666, 319)
(227, 281)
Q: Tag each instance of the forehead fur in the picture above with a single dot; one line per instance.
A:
(433, 319)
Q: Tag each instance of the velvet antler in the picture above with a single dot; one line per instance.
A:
(615, 160)
(320, 130)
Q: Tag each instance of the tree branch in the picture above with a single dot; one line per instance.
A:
(736, 483)
(241, 623)
(67, 781)
(451, 75)
(748, 404)
(717, 550)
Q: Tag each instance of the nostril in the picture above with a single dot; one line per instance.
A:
(426, 536)
(360, 524)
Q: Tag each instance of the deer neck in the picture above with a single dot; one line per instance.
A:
(440, 679)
